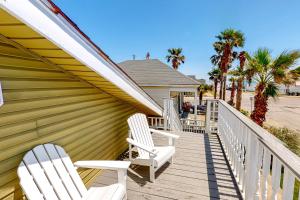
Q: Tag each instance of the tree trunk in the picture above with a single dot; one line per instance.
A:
(260, 106)
(242, 59)
(221, 88)
(239, 93)
(215, 89)
(232, 94)
(200, 97)
(224, 88)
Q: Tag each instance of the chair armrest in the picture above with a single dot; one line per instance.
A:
(145, 148)
(120, 166)
(98, 164)
(164, 133)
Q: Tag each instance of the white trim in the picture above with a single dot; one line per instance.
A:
(1, 96)
(183, 90)
(55, 30)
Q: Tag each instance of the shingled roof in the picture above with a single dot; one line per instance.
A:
(153, 72)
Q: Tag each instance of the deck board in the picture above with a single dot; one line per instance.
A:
(200, 171)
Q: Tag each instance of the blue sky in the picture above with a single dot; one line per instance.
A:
(126, 27)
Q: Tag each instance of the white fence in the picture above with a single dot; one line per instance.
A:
(156, 122)
(191, 125)
(211, 116)
(258, 160)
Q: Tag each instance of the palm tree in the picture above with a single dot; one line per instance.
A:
(267, 73)
(216, 61)
(176, 57)
(232, 93)
(229, 39)
(202, 89)
(241, 76)
(214, 75)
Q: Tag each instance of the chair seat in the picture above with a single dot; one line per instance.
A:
(111, 192)
(164, 154)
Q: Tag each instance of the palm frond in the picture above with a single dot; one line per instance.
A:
(175, 57)
(278, 74)
(263, 57)
(271, 90)
(286, 59)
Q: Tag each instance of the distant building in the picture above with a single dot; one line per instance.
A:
(160, 81)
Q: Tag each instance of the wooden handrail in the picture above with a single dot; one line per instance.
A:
(275, 145)
(252, 152)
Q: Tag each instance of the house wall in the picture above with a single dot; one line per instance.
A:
(45, 105)
(158, 94)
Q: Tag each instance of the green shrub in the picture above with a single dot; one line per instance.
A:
(288, 137)
(244, 112)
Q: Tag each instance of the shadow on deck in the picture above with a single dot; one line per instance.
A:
(200, 171)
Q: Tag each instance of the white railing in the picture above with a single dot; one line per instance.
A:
(176, 123)
(258, 160)
(156, 122)
(170, 120)
(191, 125)
(171, 117)
(211, 116)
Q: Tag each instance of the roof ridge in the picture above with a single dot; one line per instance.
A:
(135, 67)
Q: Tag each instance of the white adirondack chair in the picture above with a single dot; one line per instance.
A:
(149, 155)
(48, 173)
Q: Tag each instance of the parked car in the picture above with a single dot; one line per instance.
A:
(200, 109)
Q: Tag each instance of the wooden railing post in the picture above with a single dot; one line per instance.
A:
(207, 117)
(166, 114)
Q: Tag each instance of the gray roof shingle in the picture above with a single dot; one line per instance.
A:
(154, 72)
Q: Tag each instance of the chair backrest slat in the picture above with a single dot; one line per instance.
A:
(71, 169)
(39, 176)
(51, 172)
(140, 132)
(27, 183)
(47, 172)
(63, 172)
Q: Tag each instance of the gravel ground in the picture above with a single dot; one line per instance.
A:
(284, 111)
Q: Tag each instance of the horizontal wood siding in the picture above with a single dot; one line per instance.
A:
(44, 104)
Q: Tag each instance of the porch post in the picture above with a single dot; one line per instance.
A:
(165, 114)
(207, 117)
(196, 104)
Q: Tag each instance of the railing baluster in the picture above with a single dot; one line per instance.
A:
(265, 173)
(251, 166)
(258, 170)
(276, 173)
(288, 184)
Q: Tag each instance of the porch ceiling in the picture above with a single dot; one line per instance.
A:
(23, 37)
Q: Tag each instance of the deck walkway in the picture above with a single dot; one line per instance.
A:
(199, 171)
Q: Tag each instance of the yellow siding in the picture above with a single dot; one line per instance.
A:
(43, 104)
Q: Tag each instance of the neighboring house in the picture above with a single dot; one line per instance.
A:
(159, 80)
(59, 87)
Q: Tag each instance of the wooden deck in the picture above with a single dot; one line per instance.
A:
(199, 171)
